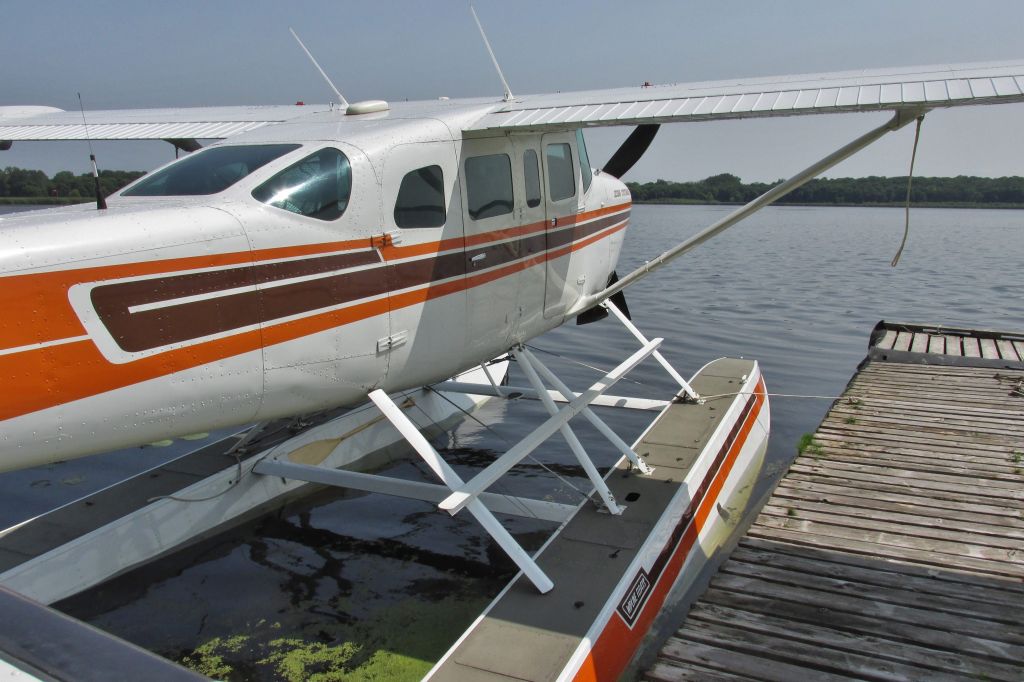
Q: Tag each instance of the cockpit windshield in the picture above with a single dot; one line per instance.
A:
(209, 171)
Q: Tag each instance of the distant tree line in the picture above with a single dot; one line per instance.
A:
(19, 182)
(727, 188)
(723, 188)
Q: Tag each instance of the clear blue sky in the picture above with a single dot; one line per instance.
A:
(123, 54)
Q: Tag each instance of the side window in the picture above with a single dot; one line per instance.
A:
(318, 186)
(420, 200)
(561, 178)
(488, 186)
(532, 172)
(581, 146)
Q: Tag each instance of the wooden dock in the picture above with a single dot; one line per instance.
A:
(893, 549)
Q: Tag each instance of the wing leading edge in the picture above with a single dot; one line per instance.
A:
(915, 88)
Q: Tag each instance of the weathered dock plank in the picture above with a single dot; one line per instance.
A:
(893, 548)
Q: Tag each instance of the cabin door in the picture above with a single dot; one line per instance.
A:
(561, 203)
(426, 263)
(491, 187)
(531, 215)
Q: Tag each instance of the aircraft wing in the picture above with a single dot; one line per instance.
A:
(913, 88)
(47, 123)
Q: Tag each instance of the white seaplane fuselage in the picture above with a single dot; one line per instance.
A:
(170, 315)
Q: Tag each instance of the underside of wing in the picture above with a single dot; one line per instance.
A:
(46, 123)
(910, 88)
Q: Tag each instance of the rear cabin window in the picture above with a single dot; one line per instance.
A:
(531, 171)
(561, 178)
(420, 200)
(208, 171)
(581, 146)
(489, 186)
(318, 186)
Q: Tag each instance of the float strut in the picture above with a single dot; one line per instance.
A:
(690, 393)
(596, 421)
(524, 360)
(448, 476)
(499, 467)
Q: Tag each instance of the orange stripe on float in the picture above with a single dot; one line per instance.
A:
(617, 643)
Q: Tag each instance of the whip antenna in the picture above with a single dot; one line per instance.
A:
(101, 203)
(341, 100)
(487, 44)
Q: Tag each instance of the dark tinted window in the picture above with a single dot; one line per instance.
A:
(318, 186)
(489, 186)
(208, 171)
(532, 173)
(561, 178)
(581, 146)
(420, 200)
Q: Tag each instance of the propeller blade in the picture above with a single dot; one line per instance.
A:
(631, 150)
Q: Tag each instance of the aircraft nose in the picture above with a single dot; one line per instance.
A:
(76, 292)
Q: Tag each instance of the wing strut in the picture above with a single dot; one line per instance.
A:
(902, 118)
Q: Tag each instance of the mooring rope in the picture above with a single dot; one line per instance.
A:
(910, 180)
(852, 399)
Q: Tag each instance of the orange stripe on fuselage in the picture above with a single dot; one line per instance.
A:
(50, 376)
(37, 307)
(617, 643)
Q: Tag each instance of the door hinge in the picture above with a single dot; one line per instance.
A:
(391, 342)
(379, 241)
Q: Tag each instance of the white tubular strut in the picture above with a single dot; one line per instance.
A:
(483, 480)
(490, 379)
(574, 443)
(448, 476)
(596, 421)
(657, 356)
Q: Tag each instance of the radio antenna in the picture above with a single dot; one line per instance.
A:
(341, 100)
(487, 44)
(101, 203)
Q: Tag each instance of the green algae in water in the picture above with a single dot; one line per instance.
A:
(208, 659)
(298, 661)
(401, 642)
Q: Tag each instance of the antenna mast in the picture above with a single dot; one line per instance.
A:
(487, 44)
(101, 203)
(341, 99)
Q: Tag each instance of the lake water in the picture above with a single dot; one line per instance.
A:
(798, 289)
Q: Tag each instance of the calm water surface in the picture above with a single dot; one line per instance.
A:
(796, 288)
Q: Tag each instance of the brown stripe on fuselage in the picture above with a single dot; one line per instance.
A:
(143, 330)
(177, 323)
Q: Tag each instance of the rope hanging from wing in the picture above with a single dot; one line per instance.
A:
(910, 180)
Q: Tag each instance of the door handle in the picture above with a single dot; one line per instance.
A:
(478, 257)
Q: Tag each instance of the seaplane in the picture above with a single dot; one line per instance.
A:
(370, 255)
